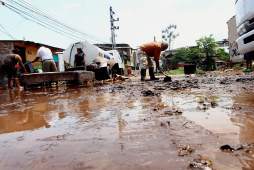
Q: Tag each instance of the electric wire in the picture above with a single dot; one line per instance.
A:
(33, 18)
(43, 24)
(40, 12)
(31, 13)
(3, 30)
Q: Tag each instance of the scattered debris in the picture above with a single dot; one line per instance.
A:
(165, 124)
(214, 104)
(227, 148)
(208, 80)
(184, 125)
(201, 164)
(226, 80)
(185, 150)
(244, 79)
(248, 148)
(183, 84)
(160, 106)
(159, 88)
(204, 106)
(173, 112)
(167, 79)
(147, 93)
(235, 108)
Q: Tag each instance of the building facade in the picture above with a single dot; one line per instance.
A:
(232, 36)
(127, 53)
(27, 49)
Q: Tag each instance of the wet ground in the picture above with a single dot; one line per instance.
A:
(130, 125)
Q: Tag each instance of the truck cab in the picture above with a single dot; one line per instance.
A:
(245, 26)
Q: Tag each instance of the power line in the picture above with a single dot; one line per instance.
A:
(31, 13)
(45, 16)
(45, 24)
(40, 12)
(41, 23)
(3, 30)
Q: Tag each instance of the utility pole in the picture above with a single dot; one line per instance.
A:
(113, 27)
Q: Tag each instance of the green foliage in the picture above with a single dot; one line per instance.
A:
(222, 54)
(200, 72)
(178, 71)
(207, 45)
(203, 54)
(187, 55)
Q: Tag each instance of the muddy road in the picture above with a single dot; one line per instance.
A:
(131, 125)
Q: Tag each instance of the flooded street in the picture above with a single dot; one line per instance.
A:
(122, 126)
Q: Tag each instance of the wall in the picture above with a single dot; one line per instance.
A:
(232, 36)
(6, 48)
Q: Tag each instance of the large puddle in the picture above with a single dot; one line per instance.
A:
(61, 128)
(226, 114)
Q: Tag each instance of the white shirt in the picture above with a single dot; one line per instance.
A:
(44, 53)
(101, 60)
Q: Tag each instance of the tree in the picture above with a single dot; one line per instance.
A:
(208, 47)
(191, 55)
(222, 54)
(168, 34)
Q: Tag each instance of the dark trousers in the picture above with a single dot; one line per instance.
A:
(151, 73)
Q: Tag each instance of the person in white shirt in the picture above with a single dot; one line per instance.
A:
(45, 55)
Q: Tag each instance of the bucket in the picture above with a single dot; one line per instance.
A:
(189, 69)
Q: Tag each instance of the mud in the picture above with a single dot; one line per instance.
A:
(116, 126)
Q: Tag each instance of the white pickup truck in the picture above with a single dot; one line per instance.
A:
(245, 26)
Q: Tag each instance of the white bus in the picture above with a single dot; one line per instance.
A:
(245, 26)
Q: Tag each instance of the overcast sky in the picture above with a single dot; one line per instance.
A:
(140, 20)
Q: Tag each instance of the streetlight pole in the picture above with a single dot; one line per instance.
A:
(113, 27)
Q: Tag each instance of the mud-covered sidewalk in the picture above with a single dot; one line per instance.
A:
(194, 122)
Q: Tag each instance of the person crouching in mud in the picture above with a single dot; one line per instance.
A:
(145, 54)
(9, 67)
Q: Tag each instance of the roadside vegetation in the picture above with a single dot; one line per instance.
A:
(204, 55)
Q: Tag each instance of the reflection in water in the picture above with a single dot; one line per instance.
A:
(206, 110)
(21, 121)
(21, 115)
(244, 118)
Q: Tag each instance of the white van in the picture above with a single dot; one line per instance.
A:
(91, 51)
(245, 26)
(117, 58)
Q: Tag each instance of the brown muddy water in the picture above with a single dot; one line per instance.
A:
(116, 127)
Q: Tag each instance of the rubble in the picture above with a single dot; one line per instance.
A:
(183, 84)
(227, 148)
(173, 112)
(244, 79)
(185, 150)
(226, 80)
(248, 148)
(201, 164)
(147, 93)
(167, 79)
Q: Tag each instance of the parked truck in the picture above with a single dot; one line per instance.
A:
(245, 27)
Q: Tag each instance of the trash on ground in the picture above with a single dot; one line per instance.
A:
(173, 112)
(147, 93)
(185, 150)
(201, 164)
